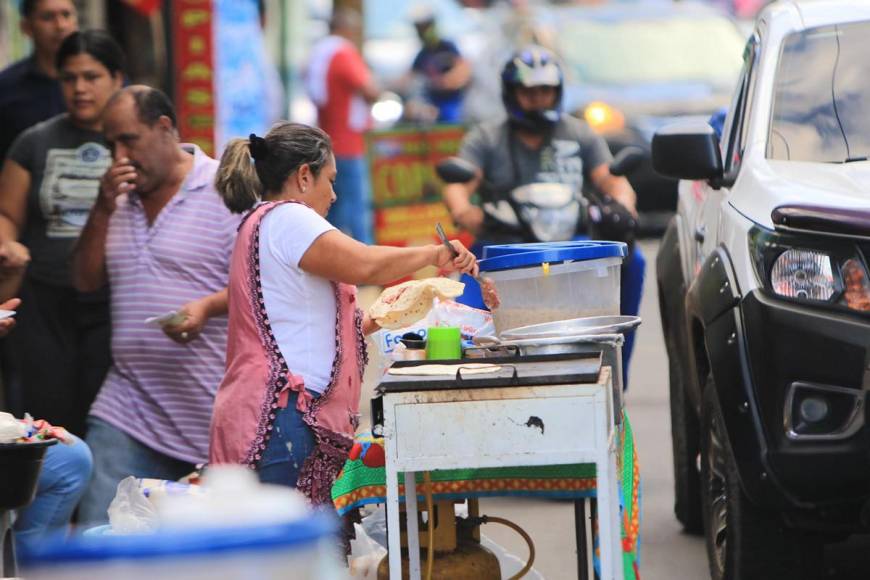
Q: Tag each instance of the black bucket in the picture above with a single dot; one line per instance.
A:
(20, 464)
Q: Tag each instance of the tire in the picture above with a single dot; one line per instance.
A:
(685, 438)
(744, 542)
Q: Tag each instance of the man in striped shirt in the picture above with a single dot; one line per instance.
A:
(160, 236)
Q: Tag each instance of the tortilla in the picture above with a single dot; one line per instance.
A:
(402, 305)
(446, 370)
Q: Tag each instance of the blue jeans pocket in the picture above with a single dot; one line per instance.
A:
(291, 441)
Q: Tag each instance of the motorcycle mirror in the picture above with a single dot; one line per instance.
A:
(455, 170)
(627, 160)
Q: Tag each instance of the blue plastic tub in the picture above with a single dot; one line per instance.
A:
(302, 549)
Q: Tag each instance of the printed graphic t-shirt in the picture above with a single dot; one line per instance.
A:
(65, 164)
(572, 151)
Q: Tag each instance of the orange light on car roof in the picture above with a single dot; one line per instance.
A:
(603, 118)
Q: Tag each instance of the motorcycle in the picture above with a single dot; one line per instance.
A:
(554, 212)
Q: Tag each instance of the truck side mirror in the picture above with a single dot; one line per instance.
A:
(627, 160)
(687, 150)
(455, 170)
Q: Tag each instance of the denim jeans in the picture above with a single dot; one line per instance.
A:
(291, 441)
(116, 456)
(66, 471)
(352, 210)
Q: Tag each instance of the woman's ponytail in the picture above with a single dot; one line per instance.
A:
(236, 179)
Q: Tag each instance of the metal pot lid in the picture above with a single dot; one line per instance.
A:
(574, 327)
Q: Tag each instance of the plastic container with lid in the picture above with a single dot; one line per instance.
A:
(304, 549)
(546, 282)
(233, 527)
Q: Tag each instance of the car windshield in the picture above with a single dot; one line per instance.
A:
(821, 106)
(660, 50)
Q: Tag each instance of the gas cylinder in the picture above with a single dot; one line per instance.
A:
(458, 553)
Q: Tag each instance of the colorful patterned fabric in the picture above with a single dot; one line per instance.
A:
(363, 481)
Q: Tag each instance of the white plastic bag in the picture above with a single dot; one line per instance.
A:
(375, 525)
(365, 555)
(471, 322)
(131, 512)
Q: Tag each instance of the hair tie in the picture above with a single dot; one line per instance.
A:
(257, 145)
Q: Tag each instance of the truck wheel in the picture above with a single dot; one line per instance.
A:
(743, 541)
(685, 437)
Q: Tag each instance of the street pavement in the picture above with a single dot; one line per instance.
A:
(666, 553)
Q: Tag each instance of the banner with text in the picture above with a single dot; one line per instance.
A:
(405, 188)
(194, 72)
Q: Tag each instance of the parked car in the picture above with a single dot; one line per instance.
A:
(765, 298)
(633, 67)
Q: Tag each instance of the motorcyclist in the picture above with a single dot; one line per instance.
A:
(538, 143)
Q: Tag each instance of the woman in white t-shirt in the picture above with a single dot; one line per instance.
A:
(289, 402)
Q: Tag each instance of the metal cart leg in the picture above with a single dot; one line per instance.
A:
(583, 530)
(394, 536)
(411, 520)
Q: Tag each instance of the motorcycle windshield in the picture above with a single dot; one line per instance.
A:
(552, 224)
(544, 195)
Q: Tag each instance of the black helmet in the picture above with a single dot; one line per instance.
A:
(533, 66)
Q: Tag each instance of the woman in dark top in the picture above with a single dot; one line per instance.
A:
(48, 183)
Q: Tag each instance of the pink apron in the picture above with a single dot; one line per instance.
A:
(258, 379)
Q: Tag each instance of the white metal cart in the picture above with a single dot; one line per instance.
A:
(529, 414)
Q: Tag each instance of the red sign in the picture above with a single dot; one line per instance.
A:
(146, 7)
(405, 188)
(194, 72)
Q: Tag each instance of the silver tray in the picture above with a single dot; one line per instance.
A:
(549, 345)
(574, 327)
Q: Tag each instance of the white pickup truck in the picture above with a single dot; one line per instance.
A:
(765, 298)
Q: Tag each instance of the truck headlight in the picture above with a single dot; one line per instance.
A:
(803, 274)
(811, 270)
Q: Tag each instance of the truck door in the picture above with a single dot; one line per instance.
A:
(711, 195)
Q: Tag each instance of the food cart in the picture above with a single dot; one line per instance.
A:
(554, 399)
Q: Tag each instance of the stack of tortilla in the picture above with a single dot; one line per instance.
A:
(404, 304)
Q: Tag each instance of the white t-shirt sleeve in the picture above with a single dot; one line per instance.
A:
(291, 229)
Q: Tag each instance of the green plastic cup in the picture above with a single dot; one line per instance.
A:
(443, 343)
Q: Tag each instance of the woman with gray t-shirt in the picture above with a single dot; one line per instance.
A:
(49, 181)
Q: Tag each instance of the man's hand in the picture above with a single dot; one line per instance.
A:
(7, 324)
(117, 180)
(13, 257)
(196, 314)
(470, 219)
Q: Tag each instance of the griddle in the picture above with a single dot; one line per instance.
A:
(518, 371)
